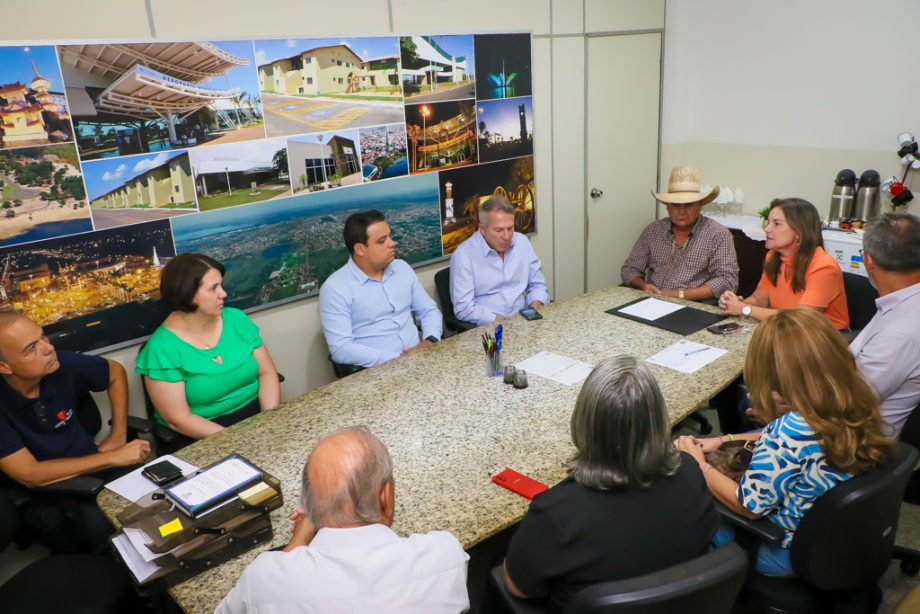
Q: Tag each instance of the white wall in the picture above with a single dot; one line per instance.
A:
(778, 96)
(292, 332)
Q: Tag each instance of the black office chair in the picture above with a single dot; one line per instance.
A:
(64, 583)
(707, 584)
(452, 324)
(860, 299)
(166, 439)
(841, 548)
(910, 434)
(343, 370)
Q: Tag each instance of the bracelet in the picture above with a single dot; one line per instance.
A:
(731, 437)
(705, 467)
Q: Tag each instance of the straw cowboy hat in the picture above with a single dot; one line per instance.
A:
(684, 187)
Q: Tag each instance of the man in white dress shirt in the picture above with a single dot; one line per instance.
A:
(343, 556)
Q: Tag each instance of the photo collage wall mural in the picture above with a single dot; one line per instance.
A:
(116, 157)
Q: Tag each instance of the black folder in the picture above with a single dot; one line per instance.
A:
(684, 321)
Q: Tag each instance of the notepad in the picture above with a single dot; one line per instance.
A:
(554, 367)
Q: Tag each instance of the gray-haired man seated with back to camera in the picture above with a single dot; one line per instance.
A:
(343, 556)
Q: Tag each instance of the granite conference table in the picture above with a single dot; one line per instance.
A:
(449, 427)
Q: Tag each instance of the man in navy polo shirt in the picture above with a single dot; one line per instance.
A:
(41, 439)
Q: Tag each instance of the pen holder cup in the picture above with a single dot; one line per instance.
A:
(494, 365)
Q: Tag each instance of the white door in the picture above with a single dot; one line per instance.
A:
(624, 76)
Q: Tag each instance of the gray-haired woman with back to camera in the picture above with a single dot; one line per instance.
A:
(631, 504)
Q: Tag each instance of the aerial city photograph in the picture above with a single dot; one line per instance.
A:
(277, 250)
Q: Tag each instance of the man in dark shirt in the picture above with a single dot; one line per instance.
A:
(41, 438)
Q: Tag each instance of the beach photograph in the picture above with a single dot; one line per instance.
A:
(281, 249)
(41, 194)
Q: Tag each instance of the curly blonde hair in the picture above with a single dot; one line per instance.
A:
(799, 354)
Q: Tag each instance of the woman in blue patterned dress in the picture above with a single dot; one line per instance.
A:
(823, 428)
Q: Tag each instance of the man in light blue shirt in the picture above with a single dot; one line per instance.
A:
(496, 272)
(366, 306)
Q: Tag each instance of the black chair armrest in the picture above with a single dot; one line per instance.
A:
(761, 528)
(459, 325)
(83, 486)
(518, 606)
(280, 377)
(137, 425)
(164, 434)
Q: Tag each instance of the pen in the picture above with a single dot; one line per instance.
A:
(697, 351)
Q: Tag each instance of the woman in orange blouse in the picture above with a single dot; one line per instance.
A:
(797, 270)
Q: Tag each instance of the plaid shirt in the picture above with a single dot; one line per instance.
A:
(707, 257)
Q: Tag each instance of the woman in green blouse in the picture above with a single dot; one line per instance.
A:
(205, 367)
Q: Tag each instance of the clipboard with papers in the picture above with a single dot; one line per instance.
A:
(667, 316)
(168, 537)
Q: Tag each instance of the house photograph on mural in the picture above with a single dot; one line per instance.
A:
(316, 85)
(148, 97)
(140, 188)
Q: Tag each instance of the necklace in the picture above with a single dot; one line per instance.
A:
(199, 340)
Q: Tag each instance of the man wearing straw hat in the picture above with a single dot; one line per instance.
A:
(686, 255)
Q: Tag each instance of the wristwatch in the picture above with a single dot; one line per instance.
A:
(432, 338)
(746, 310)
(680, 293)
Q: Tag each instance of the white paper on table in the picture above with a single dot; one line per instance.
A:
(134, 485)
(557, 368)
(140, 568)
(650, 309)
(686, 356)
(139, 540)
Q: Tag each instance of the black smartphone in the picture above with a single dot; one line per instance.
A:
(530, 313)
(724, 329)
(162, 472)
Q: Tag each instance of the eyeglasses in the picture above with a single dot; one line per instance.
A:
(45, 423)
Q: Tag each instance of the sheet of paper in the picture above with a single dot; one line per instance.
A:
(140, 568)
(139, 541)
(557, 368)
(651, 309)
(213, 483)
(134, 485)
(686, 356)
